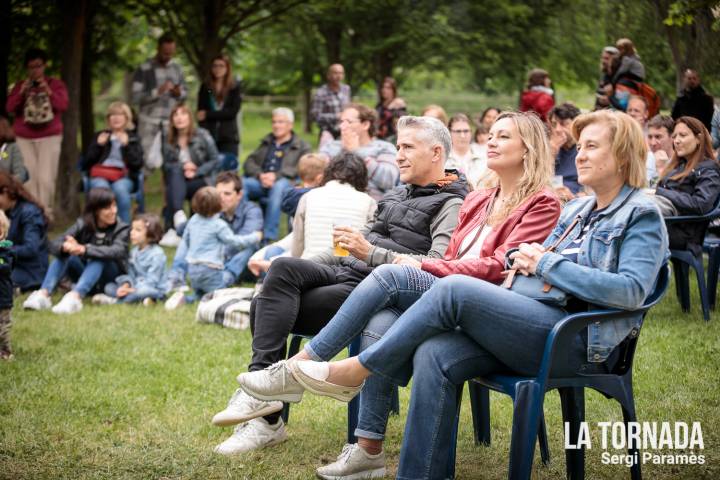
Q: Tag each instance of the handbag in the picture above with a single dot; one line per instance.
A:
(37, 111)
(536, 288)
(111, 174)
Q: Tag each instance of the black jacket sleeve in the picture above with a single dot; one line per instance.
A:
(133, 153)
(117, 250)
(703, 197)
(55, 246)
(94, 154)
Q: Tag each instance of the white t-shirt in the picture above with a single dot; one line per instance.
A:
(474, 251)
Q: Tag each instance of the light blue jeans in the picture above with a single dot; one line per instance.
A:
(141, 293)
(204, 279)
(255, 191)
(461, 328)
(89, 274)
(234, 267)
(123, 194)
(369, 311)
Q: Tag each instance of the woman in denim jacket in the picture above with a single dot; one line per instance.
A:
(465, 327)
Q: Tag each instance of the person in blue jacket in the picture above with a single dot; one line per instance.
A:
(28, 233)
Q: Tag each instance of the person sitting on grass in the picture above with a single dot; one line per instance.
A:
(6, 288)
(203, 246)
(92, 252)
(310, 170)
(146, 278)
(242, 216)
(28, 233)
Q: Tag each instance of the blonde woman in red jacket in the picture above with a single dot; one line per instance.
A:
(518, 207)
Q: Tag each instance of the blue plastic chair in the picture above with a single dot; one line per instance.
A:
(712, 246)
(528, 393)
(354, 405)
(684, 260)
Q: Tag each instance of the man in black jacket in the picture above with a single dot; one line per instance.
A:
(301, 296)
(693, 100)
(272, 168)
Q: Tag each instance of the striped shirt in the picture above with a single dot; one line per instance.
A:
(573, 248)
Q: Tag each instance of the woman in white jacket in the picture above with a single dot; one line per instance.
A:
(340, 200)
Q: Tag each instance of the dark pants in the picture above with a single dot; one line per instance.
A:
(177, 190)
(298, 296)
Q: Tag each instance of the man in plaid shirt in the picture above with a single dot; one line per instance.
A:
(158, 85)
(329, 102)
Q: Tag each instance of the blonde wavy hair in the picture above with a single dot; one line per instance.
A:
(627, 143)
(122, 109)
(538, 162)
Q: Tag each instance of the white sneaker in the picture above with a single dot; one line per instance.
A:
(253, 435)
(179, 218)
(175, 300)
(242, 407)
(354, 463)
(102, 299)
(276, 382)
(69, 303)
(170, 239)
(37, 301)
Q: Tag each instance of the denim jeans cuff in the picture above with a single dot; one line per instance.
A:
(314, 356)
(379, 372)
(369, 435)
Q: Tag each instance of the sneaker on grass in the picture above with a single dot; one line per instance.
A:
(253, 435)
(37, 301)
(170, 239)
(354, 463)
(102, 299)
(175, 300)
(70, 303)
(242, 407)
(276, 382)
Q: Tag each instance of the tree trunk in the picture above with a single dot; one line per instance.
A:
(74, 18)
(87, 114)
(5, 39)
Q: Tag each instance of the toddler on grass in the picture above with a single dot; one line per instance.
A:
(203, 243)
(146, 279)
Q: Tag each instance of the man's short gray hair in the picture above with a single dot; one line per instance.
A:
(430, 130)
(285, 112)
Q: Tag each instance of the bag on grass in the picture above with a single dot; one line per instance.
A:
(228, 307)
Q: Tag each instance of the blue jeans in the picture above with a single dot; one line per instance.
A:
(370, 310)
(140, 293)
(89, 274)
(204, 279)
(237, 264)
(461, 328)
(228, 161)
(254, 191)
(123, 194)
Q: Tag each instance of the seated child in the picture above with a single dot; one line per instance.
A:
(6, 288)
(310, 170)
(146, 278)
(203, 243)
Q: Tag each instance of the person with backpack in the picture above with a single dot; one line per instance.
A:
(37, 104)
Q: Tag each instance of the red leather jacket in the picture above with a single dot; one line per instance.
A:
(531, 222)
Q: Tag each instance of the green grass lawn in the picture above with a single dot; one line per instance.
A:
(128, 392)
